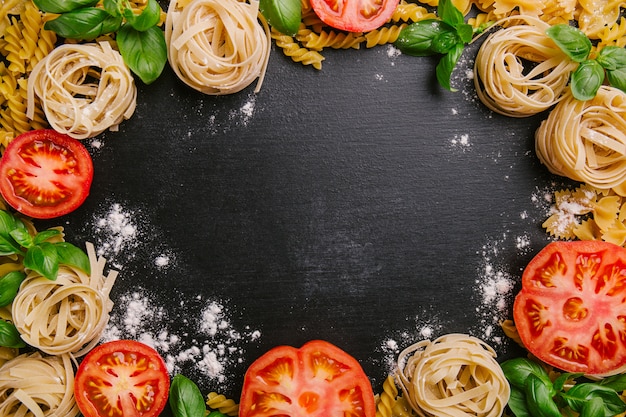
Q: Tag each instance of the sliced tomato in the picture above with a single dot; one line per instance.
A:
(354, 15)
(45, 174)
(571, 310)
(319, 379)
(122, 378)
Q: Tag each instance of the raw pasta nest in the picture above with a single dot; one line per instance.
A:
(454, 375)
(519, 71)
(36, 386)
(84, 89)
(586, 140)
(218, 47)
(67, 315)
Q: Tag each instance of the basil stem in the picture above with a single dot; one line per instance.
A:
(145, 52)
(284, 15)
(9, 286)
(570, 40)
(9, 336)
(185, 399)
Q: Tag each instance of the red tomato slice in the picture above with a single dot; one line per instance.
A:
(354, 15)
(571, 310)
(45, 174)
(319, 379)
(120, 379)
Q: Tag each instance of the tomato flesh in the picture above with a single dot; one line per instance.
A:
(354, 15)
(571, 310)
(120, 379)
(319, 379)
(45, 174)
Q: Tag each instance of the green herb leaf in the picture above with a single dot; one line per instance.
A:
(577, 396)
(617, 78)
(43, 259)
(517, 370)
(539, 398)
(586, 80)
(84, 24)
(9, 286)
(465, 32)
(447, 11)
(593, 408)
(445, 41)
(615, 382)
(63, 6)
(22, 237)
(571, 40)
(446, 66)
(185, 399)
(69, 254)
(8, 223)
(216, 413)
(145, 52)
(149, 16)
(559, 383)
(9, 336)
(612, 58)
(417, 38)
(284, 15)
(45, 235)
(113, 7)
(517, 403)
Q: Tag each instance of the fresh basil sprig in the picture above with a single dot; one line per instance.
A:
(284, 15)
(9, 336)
(185, 398)
(446, 36)
(39, 254)
(610, 62)
(534, 394)
(141, 41)
(9, 286)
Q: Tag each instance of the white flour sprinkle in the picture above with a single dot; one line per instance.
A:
(116, 231)
(461, 141)
(244, 114)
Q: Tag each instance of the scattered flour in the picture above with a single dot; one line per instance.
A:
(116, 232)
(244, 114)
(461, 141)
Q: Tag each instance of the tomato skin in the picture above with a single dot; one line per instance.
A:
(45, 174)
(571, 310)
(122, 378)
(355, 15)
(317, 380)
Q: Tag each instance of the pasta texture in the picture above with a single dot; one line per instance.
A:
(84, 89)
(67, 315)
(454, 375)
(222, 404)
(586, 141)
(501, 78)
(35, 386)
(218, 47)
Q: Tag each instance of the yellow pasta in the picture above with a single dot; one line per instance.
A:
(329, 39)
(614, 35)
(222, 404)
(387, 399)
(384, 35)
(411, 12)
(297, 53)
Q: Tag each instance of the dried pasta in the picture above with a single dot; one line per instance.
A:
(218, 47)
(69, 314)
(84, 89)
(35, 386)
(500, 77)
(222, 404)
(454, 375)
(387, 399)
(297, 53)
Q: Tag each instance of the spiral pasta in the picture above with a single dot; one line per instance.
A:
(500, 77)
(454, 375)
(586, 140)
(67, 315)
(218, 47)
(224, 405)
(35, 386)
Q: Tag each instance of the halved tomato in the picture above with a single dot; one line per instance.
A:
(319, 379)
(45, 174)
(571, 310)
(122, 378)
(354, 15)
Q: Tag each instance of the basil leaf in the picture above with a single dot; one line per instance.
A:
(617, 78)
(517, 370)
(579, 394)
(63, 6)
(43, 259)
(444, 42)
(69, 254)
(9, 336)
(559, 383)
(22, 237)
(616, 382)
(465, 32)
(284, 15)
(7, 223)
(571, 40)
(185, 399)
(145, 52)
(612, 58)
(9, 286)
(539, 398)
(417, 38)
(112, 7)
(593, 408)
(216, 413)
(517, 403)
(446, 66)
(149, 16)
(45, 235)
(447, 11)
(84, 24)
(586, 80)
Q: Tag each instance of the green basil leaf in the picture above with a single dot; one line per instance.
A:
(559, 383)
(69, 254)
(417, 38)
(45, 235)
(615, 382)
(185, 399)
(446, 66)
(9, 336)
(517, 403)
(284, 15)
(571, 40)
(145, 52)
(84, 24)
(539, 398)
(149, 16)
(593, 408)
(7, 223)
(465, 32)
(9, 286)
(612, 57)
(586, 80)
(9, 247)
(447, 11)
(216, 413)
(444, 42)
(112, 7)
(22, 237)
(63, 6)
(43, 259)
(517, 370)
(617, 78)
(579, 394)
